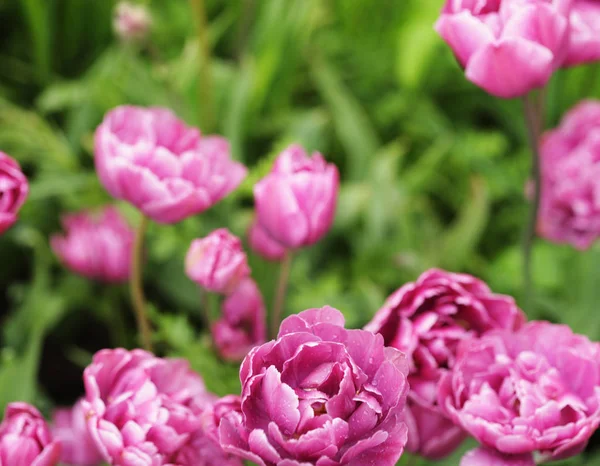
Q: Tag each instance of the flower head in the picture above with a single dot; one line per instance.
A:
(584, 44)
(217, 262)
(96, 246)
(570, 161)
(319, 394)
(534, 390)
(151, 159)
(25, 439)
(263, 244)
(295, 203)
(427, 320)
(13, 191)
(131, 22)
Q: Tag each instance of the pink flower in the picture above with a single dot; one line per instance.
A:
(507, 47)
(96, 246)
(427, 320)
(570, 164)
(263, 244)
(142, 410)
(70, 429)
(217, 262)
(151, 159)
(243, 323)
(25, 439)
(319, 395)
(584, 45)
(295, 203)
(13, 191)
(487, 457)
(131, 22)
(534, 390)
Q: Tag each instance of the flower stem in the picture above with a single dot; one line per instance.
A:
(205, 97)
(284, 275)
(533, 122)
(136, 286)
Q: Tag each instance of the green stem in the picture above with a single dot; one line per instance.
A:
(205, 97)
(136, 286)
(533, 122)
(284, 275)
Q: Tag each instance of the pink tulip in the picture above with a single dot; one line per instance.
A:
(507, 47)
(151, 159)
(25, 439)
(536, 390)
(243, 323)
(263, 244)
(584, 46)
(427, 320)
(131, 22)
(96, 246)
(217, 262)
(295, 203)
(70, 429)
(13, 191)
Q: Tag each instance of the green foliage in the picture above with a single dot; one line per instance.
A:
(433, 169)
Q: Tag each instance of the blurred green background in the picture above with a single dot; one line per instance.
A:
(433, 169)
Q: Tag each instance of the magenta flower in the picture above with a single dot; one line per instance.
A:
(13, 191)
(319, 395)
(263, 244)
(217, 262)
(131, 22)
(507, 48)
(295, 203)
(97, 246)
(484, 456)
(142, 409)
(584, 45)
(570, 160)
(534, 390)
(242, 325)
(427, 320)
(151, 159)
(69, 428)
(25, 439)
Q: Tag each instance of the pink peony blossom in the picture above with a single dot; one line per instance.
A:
(243, 323)
(144, 410)
(217, 262)
(69, 428)
(507, 47)
(263, 244)
(96, 246)
(13, 191)
(570, 166)
(296, 201)
(25, 439)
(427, 320)
(131, 22)
(151, 159)
(534, 390)
(319, 395)
(487, 457)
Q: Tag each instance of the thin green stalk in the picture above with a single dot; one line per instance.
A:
(284, 275)
(136, 286)
(533, 122)
(205, 85)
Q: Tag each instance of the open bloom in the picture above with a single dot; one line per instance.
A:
(217, 262)
(96, 246)
(13, 191)
(142, 409)
(263, 244)
(484, 456)
(151, 159)
(319, 395)
(427, 320)
(25, 439)
(584, 44)
(69, 427)
(296, 201)
(534, 390)
(507, 47)
(242, 325)
(570, 168)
